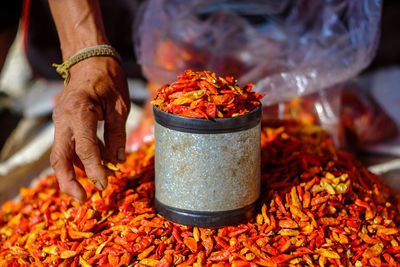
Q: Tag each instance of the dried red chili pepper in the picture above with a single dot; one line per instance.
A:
(202, 95)
(320, 208)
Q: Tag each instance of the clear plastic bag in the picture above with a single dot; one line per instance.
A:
(348, 112)
(287, 48)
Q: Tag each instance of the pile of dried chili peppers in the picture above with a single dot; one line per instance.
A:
(319, 207)
(203, 95)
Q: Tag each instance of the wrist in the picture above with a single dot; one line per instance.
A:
(70, 48)
(84, 54)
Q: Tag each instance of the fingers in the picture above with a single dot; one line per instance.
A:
(114, 131)
(62, 164)
(105, 155)
(87, 147)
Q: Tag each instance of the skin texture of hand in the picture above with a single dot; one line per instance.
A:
(97, 90)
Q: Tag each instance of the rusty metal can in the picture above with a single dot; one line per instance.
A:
(207, 172)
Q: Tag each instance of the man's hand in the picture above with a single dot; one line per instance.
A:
(97, 90)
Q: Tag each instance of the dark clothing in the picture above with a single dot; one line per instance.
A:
(10, 12)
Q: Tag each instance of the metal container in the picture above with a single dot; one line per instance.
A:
(207, 172)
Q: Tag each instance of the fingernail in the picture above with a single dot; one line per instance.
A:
(104, 184)
(121, 154)
(99, 185)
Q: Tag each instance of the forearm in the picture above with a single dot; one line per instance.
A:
(79, 24)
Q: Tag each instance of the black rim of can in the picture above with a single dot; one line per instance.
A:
(204, 126)
(207, 219)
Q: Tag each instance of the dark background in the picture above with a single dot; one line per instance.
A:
(389, 47)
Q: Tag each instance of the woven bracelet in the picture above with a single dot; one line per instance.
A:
(93, 51)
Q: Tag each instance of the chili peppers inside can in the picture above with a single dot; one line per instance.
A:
(207, 172)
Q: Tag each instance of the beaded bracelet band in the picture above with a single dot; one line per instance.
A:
(93, 51)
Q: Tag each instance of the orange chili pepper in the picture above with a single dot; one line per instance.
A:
(353, 221)
(202, 95)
